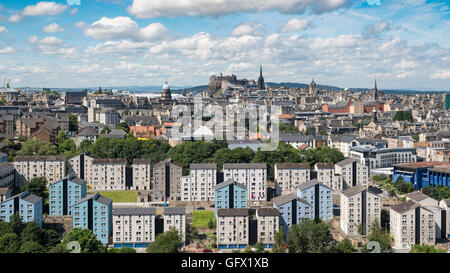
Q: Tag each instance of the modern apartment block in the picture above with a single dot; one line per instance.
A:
(167, 181)
(199, 185)
(326, 175)
(360, 207)
(133, 226)
(288, 176)
(445, 205)
(63, 194)
(230, 195)
(292, 209)
(319, 196)
(352, 173)
(142, 174)
(268, 224)
(7, 175)
(252, 175)
(375, 158)
(433, 206)
(52, 167)
(233, 228)
(29, 207)
(94, 212)
(109, 174)
(175, 217)
(412, 224)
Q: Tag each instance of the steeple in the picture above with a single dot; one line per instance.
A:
(375, 91)
(261, 85)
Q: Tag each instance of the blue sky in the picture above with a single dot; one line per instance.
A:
(403, 44)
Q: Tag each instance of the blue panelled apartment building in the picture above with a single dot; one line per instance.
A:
(64, 193)
(95, 213)
(29, 207)
(319, 196)
(230, 195)
(422, 174)
(292, 209)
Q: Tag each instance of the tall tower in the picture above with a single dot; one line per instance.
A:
(261, 85)
(375, 92)
(166, 93)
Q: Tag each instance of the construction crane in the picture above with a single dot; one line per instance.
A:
(5, 87)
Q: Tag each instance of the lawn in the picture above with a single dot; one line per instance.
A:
(120, 196)
(200, 218)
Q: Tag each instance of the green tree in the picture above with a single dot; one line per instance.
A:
(85, 145)
(31, 247)
(124, 126)
(37, 186)
(106, 130)
(402, 186)
(22, 138)
(344, 246)
(31, 232)
(58, 249)
(280, 243)
(425, 249)
(16, 223)
(211, 224)
(61, 137)
(87, 240)
(286, 128)
(9, 243)
(380, 235)
(437, 192)
(168, 242)
(122, 250)
(385, 219)
(403, 116)
(73, 123)
(309, 236)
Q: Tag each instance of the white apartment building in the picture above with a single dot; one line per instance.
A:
(199, 185)
(232, 228)
(360, 207)
(411, 224)
(352, 173)
(252, 175)
(141, 174)
(288, 176)
(108, 174)
(133, 226)
(52, 167)
(175, 217)
(326, 175)
(108, 116)
(375, 158)
(268, 224)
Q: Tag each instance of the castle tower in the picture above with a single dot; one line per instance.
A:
(261, 85)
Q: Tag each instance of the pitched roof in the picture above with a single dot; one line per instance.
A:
(109, 161)
(325, 165)
(292, 165)
(268, 212)
(174, 210)
(87, 131)
(97, 197)
(78, 181)
(194, 166)
(31, 198)
(134, 211)
(6, 165)
(283, 199)
(229, 182)
(353, 190)
(142, 161)
(417, 196)
(245, 166)
(346, 162)
(405, 206)
(310, 184)
(233, 212)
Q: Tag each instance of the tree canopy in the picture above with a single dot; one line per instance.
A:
(87, 240)
(167, 242)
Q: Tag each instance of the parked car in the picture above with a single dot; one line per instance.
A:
(200, 208)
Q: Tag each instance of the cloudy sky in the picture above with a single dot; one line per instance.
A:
(404, 44)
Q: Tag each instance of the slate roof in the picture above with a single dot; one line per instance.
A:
(346, 162)
(194, 166)
(134, 211)
(417, 196)
(245, 166)
(292, 165)
(233, 212)
(268, 212)
(31, 198)
(405, 206)
(310, 184)
(174, 210)
(283, 199)
(228, 182)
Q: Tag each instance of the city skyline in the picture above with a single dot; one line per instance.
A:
(122, 43)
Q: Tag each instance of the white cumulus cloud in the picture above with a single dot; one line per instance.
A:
(53, 28)
(3, 30)
(295, 25)
(441, 75)
(44, 8)
(7, 50)
(249, 28)
(159, 8)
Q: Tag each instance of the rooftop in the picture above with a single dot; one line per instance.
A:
(232, 212)
(134, 211)
(174, 210)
